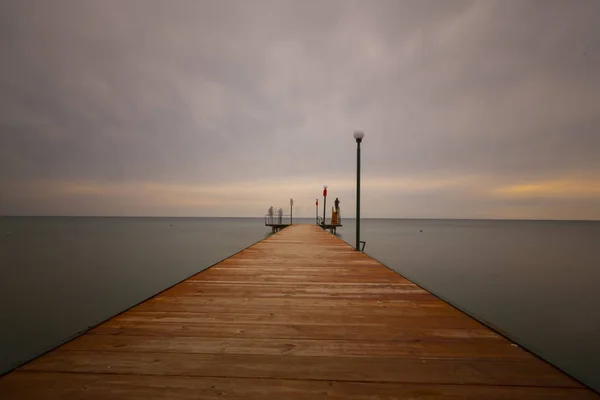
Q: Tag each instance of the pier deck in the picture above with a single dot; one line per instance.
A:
(299, 315)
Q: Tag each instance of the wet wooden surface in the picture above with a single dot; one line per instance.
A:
(300, 315)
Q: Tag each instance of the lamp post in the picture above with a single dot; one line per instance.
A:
(324, 202)
(358, 135)
(291, 211)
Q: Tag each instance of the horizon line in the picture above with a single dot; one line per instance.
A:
(253, 217)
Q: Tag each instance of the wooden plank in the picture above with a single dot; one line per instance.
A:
(389, 305)
(59, 386)
(289, 331)
(362, 369)
(276, 278)
(215, 289)
(300, 315)
(321, 287)
(319, 290)
(315, 318)
(277, 305)
(300, 347)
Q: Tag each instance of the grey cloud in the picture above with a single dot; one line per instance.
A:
(205, 92)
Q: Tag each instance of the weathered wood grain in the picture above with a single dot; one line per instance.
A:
(59, 386)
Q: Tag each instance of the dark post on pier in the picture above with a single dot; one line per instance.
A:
(324, 202)
(298, 315)
(358, 135)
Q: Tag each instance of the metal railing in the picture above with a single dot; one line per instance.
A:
(276, 219)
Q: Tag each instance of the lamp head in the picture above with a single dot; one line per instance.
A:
(359, 135)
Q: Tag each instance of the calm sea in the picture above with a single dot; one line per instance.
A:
(536, 281)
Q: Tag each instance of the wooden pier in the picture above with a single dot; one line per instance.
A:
(299, 315)
(277, 227)
(277, 222)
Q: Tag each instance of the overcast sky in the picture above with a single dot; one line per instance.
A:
(471, 109)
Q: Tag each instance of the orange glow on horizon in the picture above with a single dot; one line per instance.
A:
(563, 188)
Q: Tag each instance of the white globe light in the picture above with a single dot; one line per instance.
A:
(359, 134)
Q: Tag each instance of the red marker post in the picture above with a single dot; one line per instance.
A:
(324, 202)
(317, 212)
